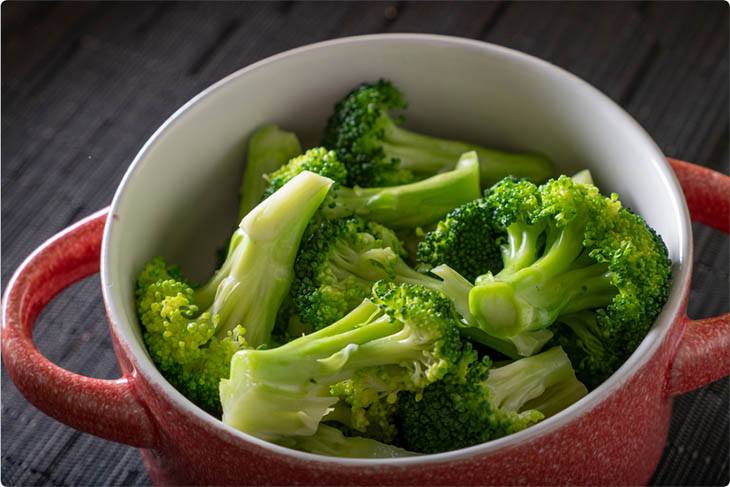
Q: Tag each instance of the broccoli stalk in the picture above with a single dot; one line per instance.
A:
(404, 206)
(285, 391)
(414, 204)
(457, 288)
(474, 403)
(331, 442)
(378, 152)
(191, 334)
(269, 147)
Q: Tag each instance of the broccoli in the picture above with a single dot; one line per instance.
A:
(318, 160)
(331, 442)
(405, 206)
(286, 391)
(457, 288)
(337, 265)
(340, 260)
(595, 356)
(268, 148)
(192, 333)
(569, 249)
(468, 238)
(414, 204)
(475, 403)
(378, 152)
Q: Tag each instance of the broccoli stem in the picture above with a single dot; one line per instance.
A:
(415, 204)
(513, 385)
(268, 149)
(426, 155)
(523, 245)
(251, 284)
(331, 442)
(529, 294)
(584, 326)
(557, 397)
(457, 288)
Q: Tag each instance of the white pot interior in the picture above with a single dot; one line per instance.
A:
(179, 199)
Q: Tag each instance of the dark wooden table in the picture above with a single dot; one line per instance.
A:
(85, 84)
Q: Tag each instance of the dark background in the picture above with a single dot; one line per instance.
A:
(85, 84)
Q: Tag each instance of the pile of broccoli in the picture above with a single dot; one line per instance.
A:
(390, 293)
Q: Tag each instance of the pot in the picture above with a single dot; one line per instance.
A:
(456, 88)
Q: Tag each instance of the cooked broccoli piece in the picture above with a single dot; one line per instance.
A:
(340, 260)
(414, 204)
(457, 288)
(331, 442)
(286, 391)
(337, 265)
(569, 249)
(318, 160)
(467, 240)
(192, 333)
(595, 356)
(476, 403)
(406, 206)
(378, 152)
(268, 148)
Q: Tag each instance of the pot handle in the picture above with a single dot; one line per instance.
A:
(105, 408)
(703, 353)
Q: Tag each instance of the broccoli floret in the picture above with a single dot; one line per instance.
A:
(268, 148)
(595, 356)
(414, 204)
(405, 206)
(190, 333)
(318, 160)
(378, 152)
(467, 240)
(337, 265)
(340, 260)
(570, 249)
(476, 403)
(331, 442)
(286, 391)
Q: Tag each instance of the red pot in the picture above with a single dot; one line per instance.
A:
(615, 435)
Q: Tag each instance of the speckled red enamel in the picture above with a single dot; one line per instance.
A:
(619, 441)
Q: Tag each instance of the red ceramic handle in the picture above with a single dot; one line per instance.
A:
(703, 354)
(106, 408)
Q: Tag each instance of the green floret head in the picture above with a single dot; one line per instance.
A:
(477, 403)
(428, 317)
(181, 340)
(465, 240)
(356, 131)
(337, 264)
(318, 160)
(512, 201)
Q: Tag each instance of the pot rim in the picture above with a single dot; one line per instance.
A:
(144, 366)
